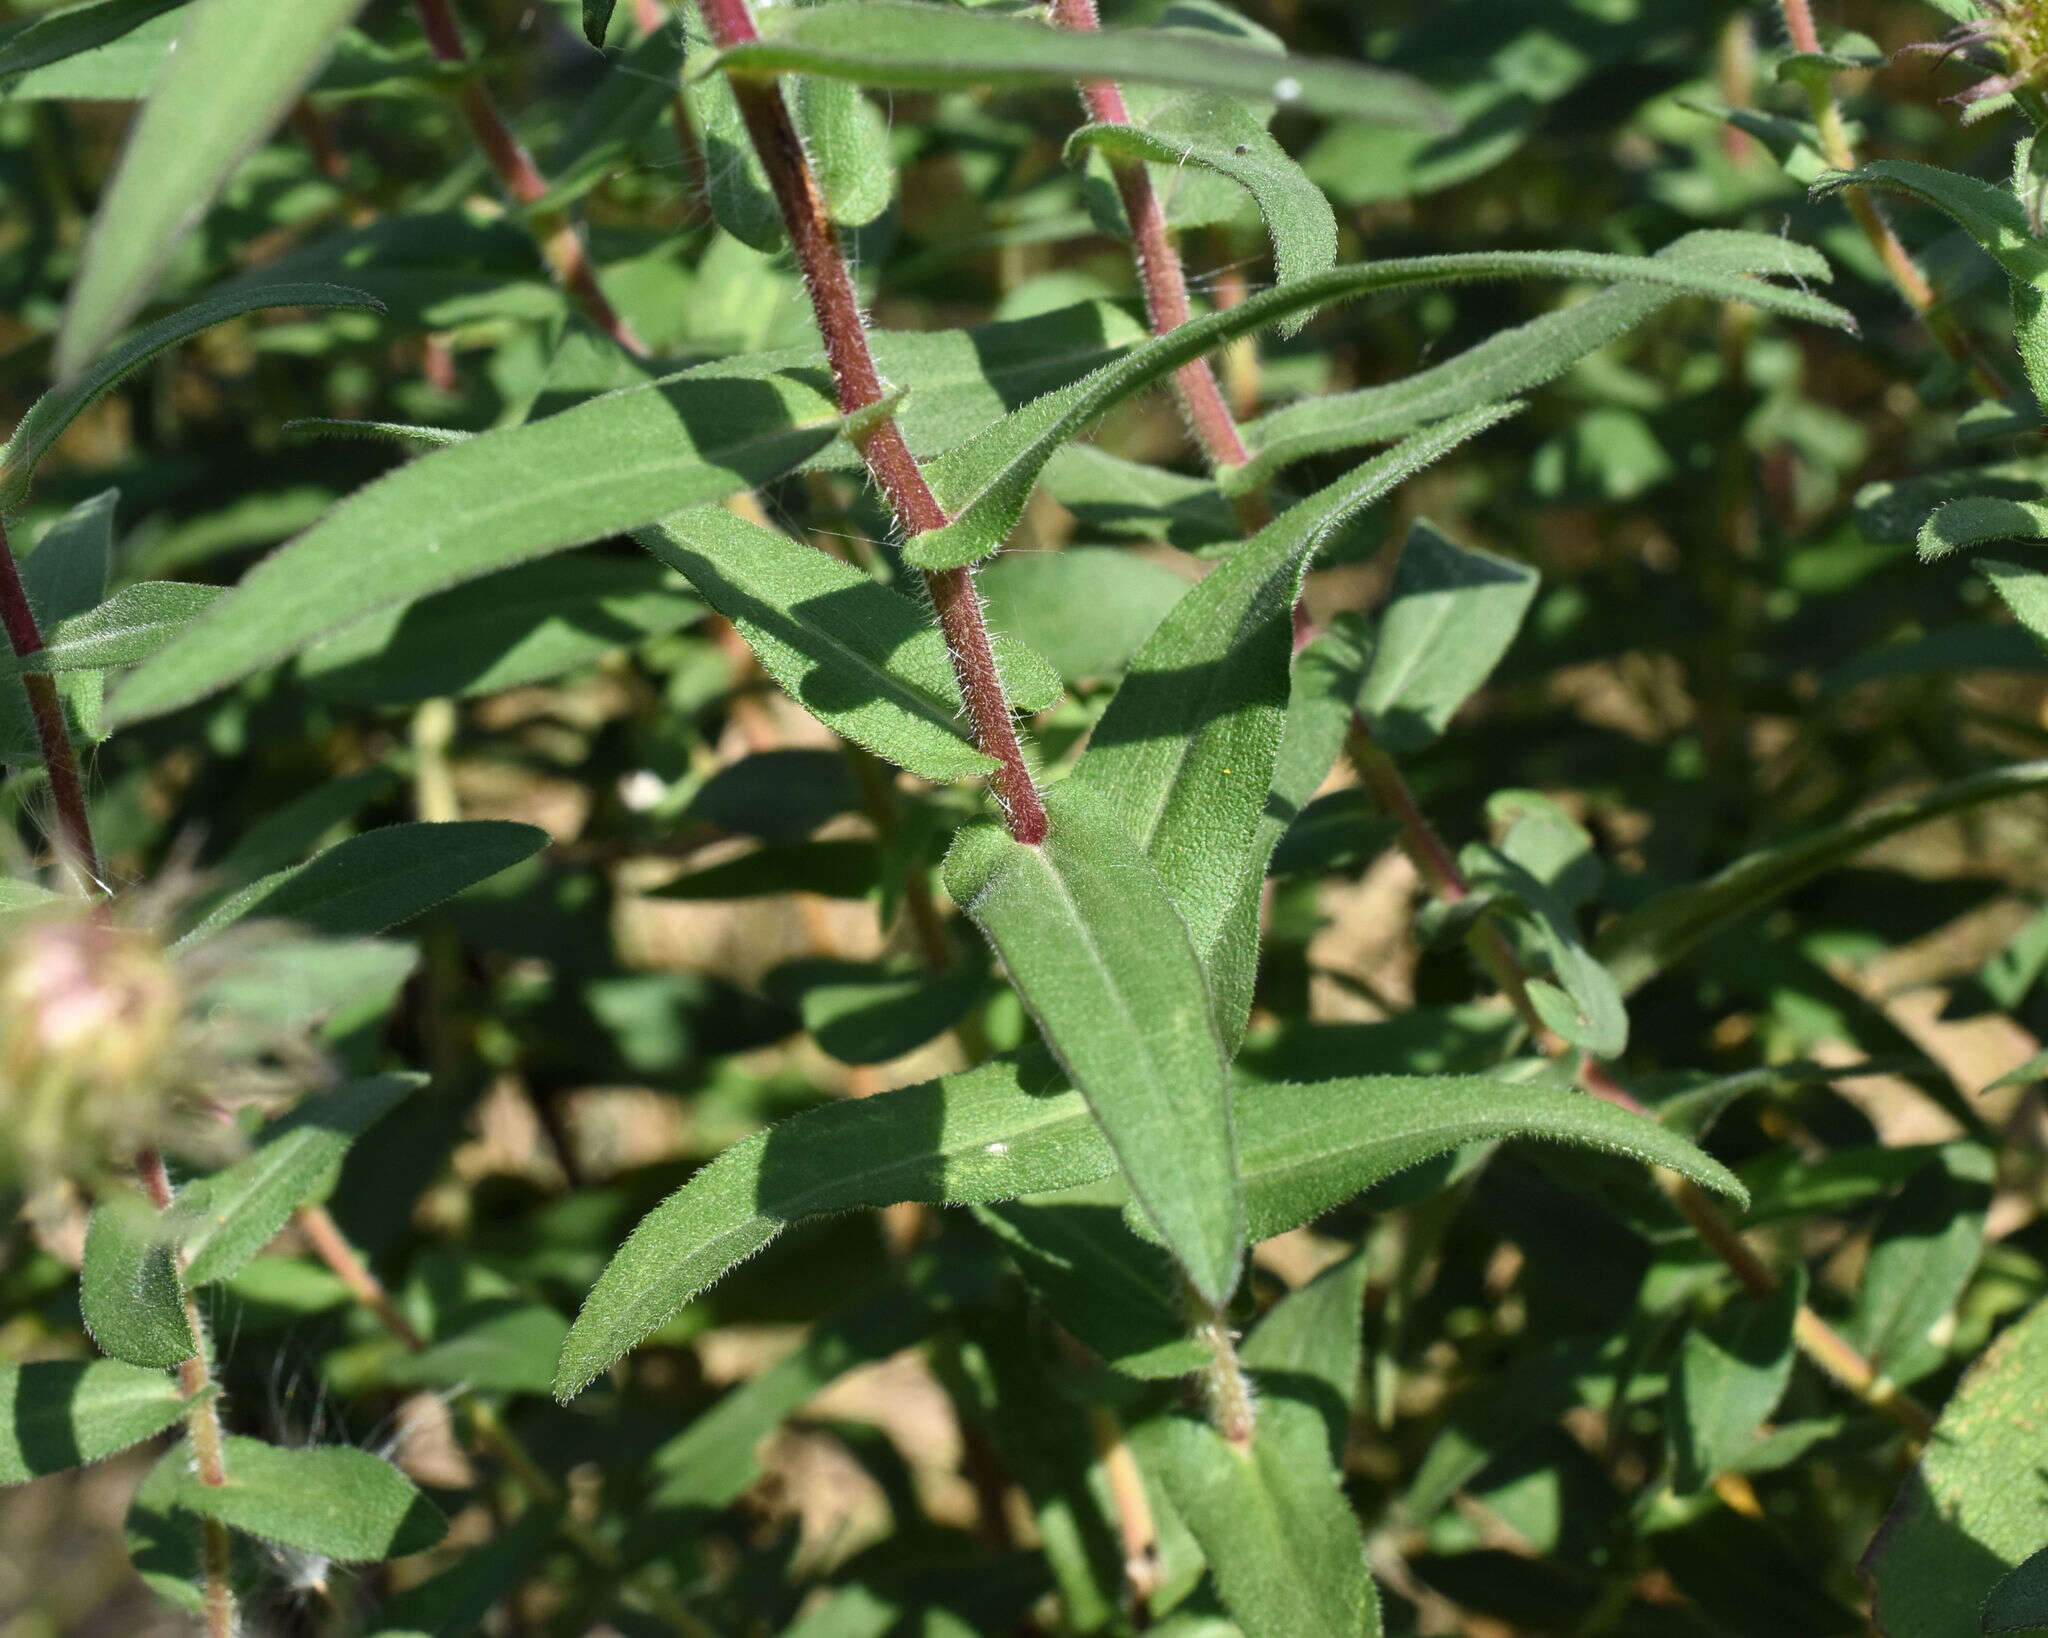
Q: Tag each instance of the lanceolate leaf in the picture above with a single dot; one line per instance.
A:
(1006, 1130)
(1509, 362)
(1221, 135)
(1637, 946)
(231, 1215)
(1184, 756)
(1926, 1246)
(50, 414)
(988, 1134)
(64, 1413)
(1102, 960)
(613, 464)
(1304, 1148)
(1972, 1510)
(59, 34)
(1732, 1371)
(1449, 620)
(333, 1500)
(129, 1290)
(908, 46)
(984, 483)
(238, 67)
(1274, 1523)
(1312, 1344)
(379, 879)
(127, 628)
(1975, 519)
(863, 659)
(2023, 588)
(1995, 218)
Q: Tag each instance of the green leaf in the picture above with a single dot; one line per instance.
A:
(1184, 756)
(840, 870)
(1304, 1148)
(1221, 135)
(1996, 220)
(869, 1012)
(1086, 609)
(164, 1543)
(1588, 1011)
(65, 575)
(50, 414)
(985, 482)
(932, 47)
(1313, 1341)
(1448, 622)
(129, 1290)
(1506, 363)
(57, 35)
(520, 626)
(604, 467)
(844, 134)
(987, 1134)
(2019, 1603)
(333, 1500)
(1640, 944)
(865, 660)
(1281, 1539)
(1115, 1292)
(1925, 1249)
(62, 1413)
(2023, 588)
(1973, 1510)
(234, 1213)
(1102, 960)
(379, 879)
(1732, 1371)
(1977, 518)
(597, 21)
(460, 1599)
(501, 1346)
(238, 67)
(128, 627)
(1129, 500)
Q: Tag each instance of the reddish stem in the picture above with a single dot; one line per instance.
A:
(60, 757)
(560, 243)
(916, 509)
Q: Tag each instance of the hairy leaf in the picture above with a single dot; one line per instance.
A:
(334, 1500)
(1184, 756)
(133, 1301)
(613, 464)
(2023, 588)
(1448, 622)
(1273, 1521)
(238, 67)
(1312, 1342)
(1926, 1247)
(907, 46)
(1973, 1509)
(1977, 518)
(1102, 960)
(984, 483)
(2019, 1603)
(1995, 218)
(1221, 135)
(231, 1216)
(127, 628)
(59, 1414)
(379, 879)
(1732, 1371)
(982, 1135)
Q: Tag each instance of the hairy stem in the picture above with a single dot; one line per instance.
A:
(60, 757)
(859, 381)
(1898, 262)
(560, 243)
(1162, 275)
(202, 1423)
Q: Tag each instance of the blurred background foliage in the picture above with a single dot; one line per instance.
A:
(1728, 648)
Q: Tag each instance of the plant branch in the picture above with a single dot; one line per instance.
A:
(1163, 277)
(563, 247)
(60, 757)
(1898, 262)
(882, 445)
(202, 1422)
